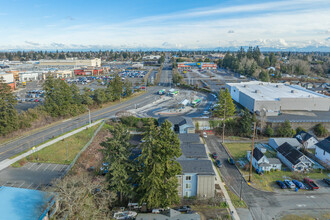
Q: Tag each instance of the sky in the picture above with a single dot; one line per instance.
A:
(166, 24)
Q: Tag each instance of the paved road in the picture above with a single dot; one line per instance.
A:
(23, 143)
(268, 205)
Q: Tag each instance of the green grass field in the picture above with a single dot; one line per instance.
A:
(56, 153)
(238, 150)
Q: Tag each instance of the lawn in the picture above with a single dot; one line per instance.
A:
(235, 199)
(56, 153)
(238, 150)
(267, 181)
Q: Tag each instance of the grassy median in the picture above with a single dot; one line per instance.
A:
(57, 152)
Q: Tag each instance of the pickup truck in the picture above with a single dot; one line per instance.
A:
(311, 183)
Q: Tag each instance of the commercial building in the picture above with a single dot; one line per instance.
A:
(151, 57)
(9, 79)
(269, 99)
(18, 203)
(96, 62)
(88, 71)
(199, 65)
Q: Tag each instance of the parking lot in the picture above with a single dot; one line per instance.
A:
(31, 175)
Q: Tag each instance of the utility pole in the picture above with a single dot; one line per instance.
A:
(240, 191)
(223, 123)
(254, 132)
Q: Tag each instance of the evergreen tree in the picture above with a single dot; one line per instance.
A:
(245, 123)
(320, 130)
(266, 62)
(158, 181)
(225, 104)
(285, 130)
(8, 113)
(269, 131)
(264, 76)
(116, 86)
(116, 151)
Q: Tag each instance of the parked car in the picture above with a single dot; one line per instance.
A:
(300, 185)
(289, 184)
(215, 155)
(185, 208)
(327, 181)
(231, 161)
(281, 184)
(218, 163)
(204, 134)
(311, 183)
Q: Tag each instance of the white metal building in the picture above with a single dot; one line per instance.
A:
(272, 98)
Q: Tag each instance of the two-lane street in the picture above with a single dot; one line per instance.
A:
(267, 205)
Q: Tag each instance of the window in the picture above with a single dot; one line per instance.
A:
(188, 178)
(323, 152)
(188, 186)
(188, 194)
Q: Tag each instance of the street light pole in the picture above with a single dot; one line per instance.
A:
(240, 191)
(89, 115)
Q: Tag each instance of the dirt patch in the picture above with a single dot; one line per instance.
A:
(92, 156)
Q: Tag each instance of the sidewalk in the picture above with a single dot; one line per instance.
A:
(6, 163)
(223, 189)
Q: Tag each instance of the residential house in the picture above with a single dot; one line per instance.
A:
(276, 142)
(197, 178)
(168, 214)
(261, 162)
(322, 150)
(306, 139)
(180, 124)
(293, 158)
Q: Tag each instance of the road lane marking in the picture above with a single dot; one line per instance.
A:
(32, 166)
(29, 186)
(21, 185)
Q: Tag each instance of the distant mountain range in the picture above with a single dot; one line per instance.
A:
(234, 48)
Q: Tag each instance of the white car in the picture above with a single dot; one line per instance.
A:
(204, 134)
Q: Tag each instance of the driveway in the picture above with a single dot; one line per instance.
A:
(268, 205)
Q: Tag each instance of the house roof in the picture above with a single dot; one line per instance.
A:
(274, 161)
(292, 141)
(169, 214)
(290, 153)
(257, 154)
(190, 150)
(324, 144)
(19, 203)
(177, 120)
(303, 136)
(202, 167)
(189, 138)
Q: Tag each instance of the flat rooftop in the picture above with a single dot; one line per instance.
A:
(274, 91)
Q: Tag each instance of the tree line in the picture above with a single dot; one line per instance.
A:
(61, 100)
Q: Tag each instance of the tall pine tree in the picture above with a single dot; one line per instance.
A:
(225, 105)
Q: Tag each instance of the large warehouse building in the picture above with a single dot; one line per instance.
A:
(200, 65)
(272, 98)
(96, 62)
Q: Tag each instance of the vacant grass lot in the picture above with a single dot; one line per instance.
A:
(238, 150)
(267, 181)
(56, 153)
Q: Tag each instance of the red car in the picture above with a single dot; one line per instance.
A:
(215, 155)
(311, 183)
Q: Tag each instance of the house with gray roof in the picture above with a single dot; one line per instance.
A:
(261, 162)
(306, 139)
(293, 158)
(169, 214)
(180, 124)
(197, 178)
(276, 142)
(322, 150)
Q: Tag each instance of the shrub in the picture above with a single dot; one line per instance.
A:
(320, 130)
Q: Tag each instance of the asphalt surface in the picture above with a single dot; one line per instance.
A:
(268, 205)
(31, 175)
(24, 143)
